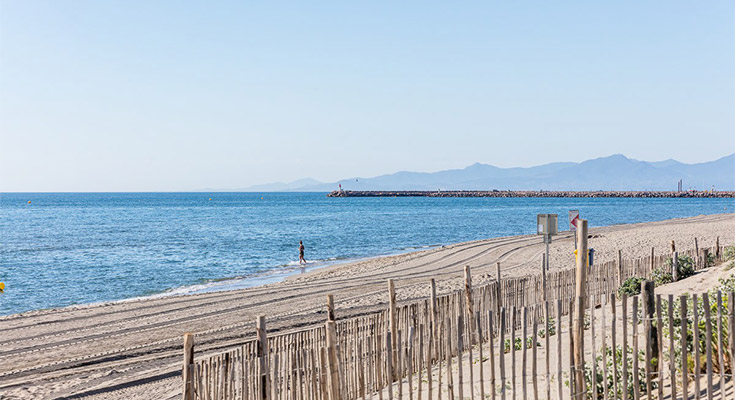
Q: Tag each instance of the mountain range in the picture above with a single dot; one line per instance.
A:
(615, 172)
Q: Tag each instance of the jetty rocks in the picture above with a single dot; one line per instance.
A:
(530, 193)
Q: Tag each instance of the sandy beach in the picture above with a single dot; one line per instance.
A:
(132, 349)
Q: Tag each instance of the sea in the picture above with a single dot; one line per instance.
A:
(62, 249)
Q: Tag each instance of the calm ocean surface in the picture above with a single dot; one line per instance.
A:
(64, 249)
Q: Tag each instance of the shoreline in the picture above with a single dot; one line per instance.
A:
(274, 276)
(289, 273)
(234, 284)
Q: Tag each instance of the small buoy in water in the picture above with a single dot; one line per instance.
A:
(210, 199)
(261, 198)
(2, 287)
(29, 202)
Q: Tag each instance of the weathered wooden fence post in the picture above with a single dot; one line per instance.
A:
(330, 307)
(708, 344)
(262, 349)
(653, 257)
(448, 354)
(434, 326)
(544, 267)
(498, 291)
(392, 314)
(468, 290)
(470, 325)
(478, 323)
(468, 302)
(547, 352)
(731, 325)
(389, 363)
(650, 332)
(460, 347)
(705, 257)
(188, 361)
(720, 345)
(409, 361)
(620, 267)
(675, 266)
(501, 352)
(717, 248)
(684, 358)
(580, 294)
(333, 377)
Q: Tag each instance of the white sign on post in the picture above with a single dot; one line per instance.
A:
(573, 218)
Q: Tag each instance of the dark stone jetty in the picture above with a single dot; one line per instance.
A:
(530, 193)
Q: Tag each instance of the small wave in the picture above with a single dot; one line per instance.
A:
(428, 246)
(268, 275)
(290, 264)
(264, 277)
(311, 262)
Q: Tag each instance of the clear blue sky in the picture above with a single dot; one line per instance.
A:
(172, 95)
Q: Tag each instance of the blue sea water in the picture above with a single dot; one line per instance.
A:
(70, 248)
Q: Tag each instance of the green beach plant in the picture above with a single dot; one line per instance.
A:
(552, 329)
(718, 336)
(518, 344)
(729, 253)
(710, 261)
(616, 369)
(631, 286)
(661, 276)
(686, 266)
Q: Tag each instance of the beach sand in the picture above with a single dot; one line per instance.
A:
(132, 349)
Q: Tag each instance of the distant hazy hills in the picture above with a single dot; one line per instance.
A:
(615, 172)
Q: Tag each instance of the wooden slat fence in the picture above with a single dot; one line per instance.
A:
(492, 341)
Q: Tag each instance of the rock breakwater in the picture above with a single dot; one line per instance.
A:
(530, 193)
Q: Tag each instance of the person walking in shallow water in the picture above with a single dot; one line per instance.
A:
(301, 253)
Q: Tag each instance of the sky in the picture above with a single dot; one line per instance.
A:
(176, 95)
